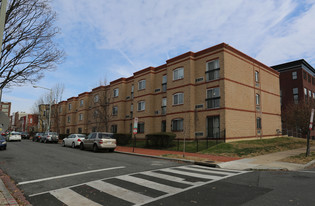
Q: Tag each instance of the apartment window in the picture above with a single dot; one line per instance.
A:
(69, 107)
(68, 119)
(258, 122)
(116, 92)
(294, 75)
(60, 109)
(310, 93)
(313, 80)
(256, 76)
(177, 125)
(95, 114)
(213, 98)
(178, 73)
(309, 78)
(178, 98)
(164, 83)
(305, 93)
(213, 70)
(164, 102)
(163, 126)
(115, 111)
(141, 106)
(80, 130)
(68, 131)
(132, 90)
(141, 127)
(141, 84)
(296, 95)
(80, 117)
(96, 98)
(114, 128)
(81, 102)
(257, 99)
(31, 120)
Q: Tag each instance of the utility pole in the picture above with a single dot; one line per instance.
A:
(2, 22)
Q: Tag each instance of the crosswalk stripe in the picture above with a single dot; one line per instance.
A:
(191, 174)
(167, 177)
(72, 198)
(150, 184)
(205, 171)
(119, 192)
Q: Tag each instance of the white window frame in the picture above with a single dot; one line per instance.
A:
(178, 73)
(257, 99)
(294, 75)
(69, 106)
(256, 76)
(68, 119)
(215, 70)
(141, 105)
(116, 92)
(115, 110)
(81, 102)
(215, 96)
(80, 117)
(96, 98)
(178, 98)
(141, 84)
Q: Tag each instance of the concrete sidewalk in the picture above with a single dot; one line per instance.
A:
(263, 162)
(5, 196)
(268, 162)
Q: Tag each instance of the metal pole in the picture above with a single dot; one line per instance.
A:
(49, 120)
(2, 22)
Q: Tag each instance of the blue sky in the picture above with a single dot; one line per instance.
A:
(109, 39)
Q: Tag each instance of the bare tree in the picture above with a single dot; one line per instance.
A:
(41, 106)
(297, 116)
(28, 48)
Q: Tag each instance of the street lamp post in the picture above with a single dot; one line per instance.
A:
(49, 104)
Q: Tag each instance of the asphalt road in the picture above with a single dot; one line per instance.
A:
(49, 174)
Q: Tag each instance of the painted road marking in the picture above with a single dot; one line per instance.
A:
(168, 181)
(119, 192)
(69, 175)
(71, 198)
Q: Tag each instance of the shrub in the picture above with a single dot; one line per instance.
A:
(122, 139)
(161, 139)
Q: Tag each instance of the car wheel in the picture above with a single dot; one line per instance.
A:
(73, 145)
(81, 146)
(95, 148)
(63, 144)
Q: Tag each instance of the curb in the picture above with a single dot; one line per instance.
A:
(171, 159)
(309, 164)
(7, 195)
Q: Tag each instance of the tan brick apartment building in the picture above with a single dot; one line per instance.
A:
(195, 95)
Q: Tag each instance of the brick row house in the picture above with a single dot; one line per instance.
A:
(212, 93)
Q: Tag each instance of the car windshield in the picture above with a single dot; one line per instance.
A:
(52, 133)
(105, 136)
(15, 133)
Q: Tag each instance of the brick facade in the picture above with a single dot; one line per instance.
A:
(209, 93)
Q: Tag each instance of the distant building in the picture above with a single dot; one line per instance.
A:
(43, 117)
(29, 123)
(297, 83)
(16, 124)
(214, 93)
(6, 108)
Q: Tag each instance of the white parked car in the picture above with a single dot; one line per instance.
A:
(14, 136)
(73, 140)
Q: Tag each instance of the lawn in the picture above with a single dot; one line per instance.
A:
(256, 147)
(300, 159)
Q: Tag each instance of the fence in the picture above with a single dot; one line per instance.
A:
(190, 145)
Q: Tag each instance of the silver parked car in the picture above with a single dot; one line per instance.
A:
(99, 140)
(50, 137)
(73, 140)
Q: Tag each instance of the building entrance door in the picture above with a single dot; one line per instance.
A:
(213, 127)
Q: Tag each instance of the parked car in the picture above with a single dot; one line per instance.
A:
(73, 140)
(37, 137)
(14, 136)
(3, 143)
(50, 137)
(25, 135)
(99, 141)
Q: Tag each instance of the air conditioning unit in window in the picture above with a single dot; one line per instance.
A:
(200, 79)
(157, 90)
(257, 108)
(128, 97)
(198, 106)
(157, 112)
(257, 84)
(127, 116)
(198, 134)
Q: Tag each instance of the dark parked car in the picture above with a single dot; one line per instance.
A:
(37, 137)
(3, 143)
(25, 135)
